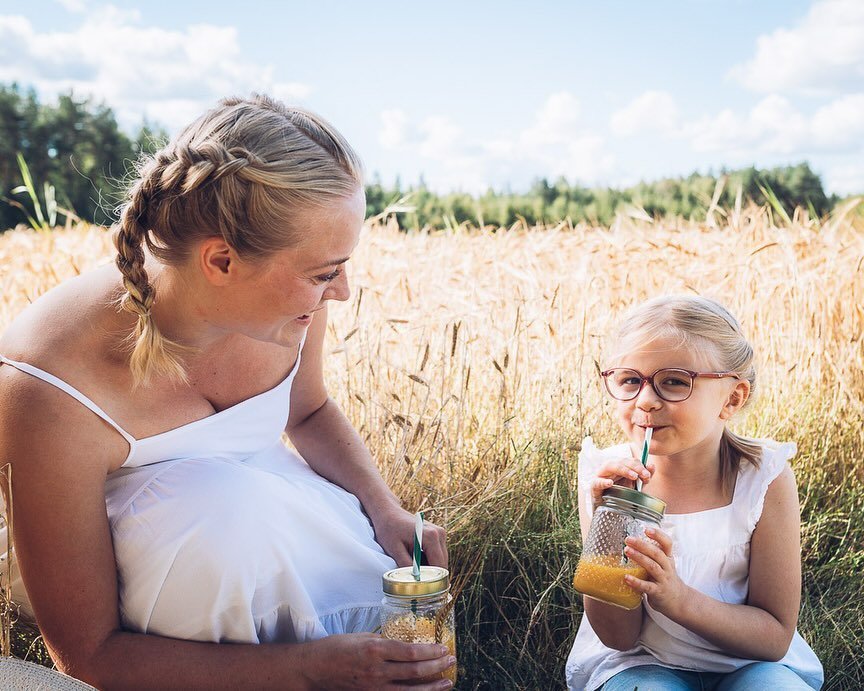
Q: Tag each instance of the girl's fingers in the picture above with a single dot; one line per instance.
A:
(652, 567)
(664, 539)
(647, 550)
(641, 586)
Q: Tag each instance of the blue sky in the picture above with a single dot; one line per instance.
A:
(477, 94)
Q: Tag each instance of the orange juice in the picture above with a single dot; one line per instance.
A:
(418, 629)
(602, 577)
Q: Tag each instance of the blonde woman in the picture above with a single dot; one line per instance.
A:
(159, 516)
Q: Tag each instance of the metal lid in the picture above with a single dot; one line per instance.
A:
(400, 582)
(645, 501)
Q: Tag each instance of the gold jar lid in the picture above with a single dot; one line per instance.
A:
(400, 582)
(646, 501)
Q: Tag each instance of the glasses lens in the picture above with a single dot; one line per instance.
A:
(624, 384)
(673, 384)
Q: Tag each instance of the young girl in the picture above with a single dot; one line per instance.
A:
(723, 582)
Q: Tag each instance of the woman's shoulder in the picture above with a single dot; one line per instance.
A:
(67, 324)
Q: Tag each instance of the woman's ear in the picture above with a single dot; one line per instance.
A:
(736, 399)
(217, 261)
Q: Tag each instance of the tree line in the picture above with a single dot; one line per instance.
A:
(76, 146)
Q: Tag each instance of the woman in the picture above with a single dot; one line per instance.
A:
(160, 388)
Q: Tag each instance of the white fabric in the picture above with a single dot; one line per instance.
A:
(223, 534)
(712, 554)
(28, 676)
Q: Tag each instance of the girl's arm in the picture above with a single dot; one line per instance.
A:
(615, 627)
(60, 454)
(331, 446)
(761, 629)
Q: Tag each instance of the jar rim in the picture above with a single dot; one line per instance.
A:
(400, 582)
(640, 499)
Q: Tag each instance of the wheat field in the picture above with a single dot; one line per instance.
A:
(468, 361)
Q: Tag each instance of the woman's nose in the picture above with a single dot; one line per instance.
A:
(339, 289)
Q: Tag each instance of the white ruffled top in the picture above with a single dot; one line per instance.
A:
(712, 555)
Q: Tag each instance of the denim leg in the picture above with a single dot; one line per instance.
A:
(653, 678)
(762, 675)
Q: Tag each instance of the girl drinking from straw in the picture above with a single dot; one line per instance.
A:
(723, 586)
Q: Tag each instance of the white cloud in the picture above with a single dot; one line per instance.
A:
(552, 143)
(440, 138)
(821, 55)
(76, 6)
(169, 76)
(845, 179)
(840, 123)
(775, 126)
(653, 111)
(394, 128)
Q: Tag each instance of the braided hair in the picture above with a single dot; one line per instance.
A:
(237, 173)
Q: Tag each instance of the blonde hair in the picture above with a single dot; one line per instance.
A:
(698, 323)
(237, 172)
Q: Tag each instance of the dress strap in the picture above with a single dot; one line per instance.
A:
(63, 386)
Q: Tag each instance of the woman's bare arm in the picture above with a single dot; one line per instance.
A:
(330, 444)
(60, 453)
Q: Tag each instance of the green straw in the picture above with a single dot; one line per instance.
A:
(418, 544)
(648, 432)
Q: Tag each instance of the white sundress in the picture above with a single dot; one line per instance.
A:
(711, 550)
(223, 534)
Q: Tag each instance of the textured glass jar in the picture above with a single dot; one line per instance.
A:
(602, 566)
(420, 611)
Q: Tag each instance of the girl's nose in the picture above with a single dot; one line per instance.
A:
(647, 399)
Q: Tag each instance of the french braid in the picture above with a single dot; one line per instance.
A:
(237, 173)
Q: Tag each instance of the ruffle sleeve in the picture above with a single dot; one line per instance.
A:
(775, 457)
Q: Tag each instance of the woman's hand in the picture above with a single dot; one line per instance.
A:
(394, 531)
(666, 592)
(621, 471)
(368, 661)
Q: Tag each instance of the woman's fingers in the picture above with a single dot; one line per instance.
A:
(399, 651)
(435, 545)
(414, 671)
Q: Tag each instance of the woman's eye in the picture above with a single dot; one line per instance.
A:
(332, 276)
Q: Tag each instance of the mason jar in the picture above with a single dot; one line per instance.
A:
(623, 512)
(420, 611)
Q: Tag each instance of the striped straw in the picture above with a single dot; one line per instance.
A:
(648, 432)
(418, 544)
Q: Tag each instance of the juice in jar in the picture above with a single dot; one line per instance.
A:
(602, 577)
(412, 628)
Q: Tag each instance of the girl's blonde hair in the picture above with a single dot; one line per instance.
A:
(237, 172)
(706, 325)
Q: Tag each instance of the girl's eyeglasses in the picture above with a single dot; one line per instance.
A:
(672, 384)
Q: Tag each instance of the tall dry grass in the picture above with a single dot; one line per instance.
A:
(468, 360)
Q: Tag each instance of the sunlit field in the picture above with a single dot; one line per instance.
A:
(468, 360)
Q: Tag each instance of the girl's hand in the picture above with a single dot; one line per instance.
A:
(666, 592)
(621, 471)
(368, 661)
(394, 531)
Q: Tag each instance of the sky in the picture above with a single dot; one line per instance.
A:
(475, 94)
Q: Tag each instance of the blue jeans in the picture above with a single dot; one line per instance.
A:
(752, 677)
